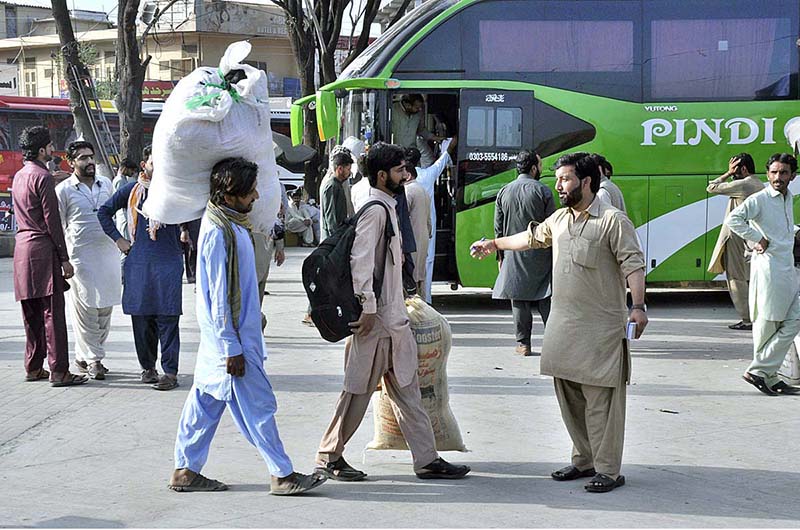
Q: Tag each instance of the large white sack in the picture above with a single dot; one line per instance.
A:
(789, 371)
(187, 142)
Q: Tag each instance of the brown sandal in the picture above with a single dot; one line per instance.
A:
(295, 484)
(69, 379)
(38, 375)
(199, 483)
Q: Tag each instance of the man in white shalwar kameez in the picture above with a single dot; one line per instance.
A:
(96, 286)
(766, 218)
(230, 359)
(299, 221)
(427, 177)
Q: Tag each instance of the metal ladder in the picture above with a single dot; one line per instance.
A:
(107, 148)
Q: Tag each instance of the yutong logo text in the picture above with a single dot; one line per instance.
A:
(733, 131)
(661, 108)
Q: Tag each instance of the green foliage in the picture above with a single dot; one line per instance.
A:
(106, 89)
(87, 54)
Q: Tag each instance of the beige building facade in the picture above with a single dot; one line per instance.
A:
(192, 33)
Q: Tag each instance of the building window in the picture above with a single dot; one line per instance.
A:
(176, 69)
(11, 22)
(30, 82)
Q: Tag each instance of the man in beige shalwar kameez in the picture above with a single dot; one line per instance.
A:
(730, 250)
(595, 250)
(383, 347)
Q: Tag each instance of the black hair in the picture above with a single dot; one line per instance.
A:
(33, 138)
(341, 158)
(413, 156)
(783, 158)
(585, 167)
(232, 176)
(382, 157)
(747, 161)
(602, 163)
(127, 163)
(74, 147)
(526, 161)
(146, 152)
(410, 99)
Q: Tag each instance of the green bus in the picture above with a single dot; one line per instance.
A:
(666, 90)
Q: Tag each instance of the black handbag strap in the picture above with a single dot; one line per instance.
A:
(388, 234)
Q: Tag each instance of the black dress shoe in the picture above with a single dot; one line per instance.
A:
(758, 382)
(782, 388)
(440, 468)
(340, 470)
(741, 326)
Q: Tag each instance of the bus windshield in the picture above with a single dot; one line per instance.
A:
(358, 116)
(395, 37)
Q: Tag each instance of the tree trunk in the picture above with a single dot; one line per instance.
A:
(69, 50)
(130, 71)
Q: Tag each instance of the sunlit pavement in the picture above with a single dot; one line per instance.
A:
(703, 448)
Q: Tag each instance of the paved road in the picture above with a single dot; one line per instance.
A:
(100, 455)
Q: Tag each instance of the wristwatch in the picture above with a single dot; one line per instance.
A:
(643, 307)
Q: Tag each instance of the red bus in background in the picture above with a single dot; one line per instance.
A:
(18, 112)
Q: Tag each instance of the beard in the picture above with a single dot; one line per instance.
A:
(571, 198)
(89, 171)
(394, 187)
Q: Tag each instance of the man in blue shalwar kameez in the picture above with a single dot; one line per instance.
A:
(153, 276)
(230, 359)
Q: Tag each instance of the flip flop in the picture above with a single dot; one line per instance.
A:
(758, 382)
(199, 483)
(571, 473)
(37, 376)
(298, 484)
(69, 380)
(602, 483)
(782, 388)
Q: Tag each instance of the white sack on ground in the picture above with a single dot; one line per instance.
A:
(434, 338)
(203, 123)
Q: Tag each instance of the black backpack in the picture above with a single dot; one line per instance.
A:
(329, 283)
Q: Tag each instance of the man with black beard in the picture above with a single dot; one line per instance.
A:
(96, 284)
(382, 349)
(595, 251)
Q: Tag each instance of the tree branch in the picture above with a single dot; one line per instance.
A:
(153, 22)
(400, 14)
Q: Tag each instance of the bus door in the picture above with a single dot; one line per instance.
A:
(494, 125)
(677, 226)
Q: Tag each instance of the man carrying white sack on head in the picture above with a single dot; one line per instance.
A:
(230, 359)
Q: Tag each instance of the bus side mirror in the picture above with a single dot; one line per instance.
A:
(327, 117)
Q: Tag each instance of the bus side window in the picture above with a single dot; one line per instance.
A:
(480, 126)
(509, 127)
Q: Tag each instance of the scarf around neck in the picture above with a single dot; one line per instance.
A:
(139, 193)
(224, 218)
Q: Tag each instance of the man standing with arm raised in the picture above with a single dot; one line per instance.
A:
(595, 251)
(729, 254)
